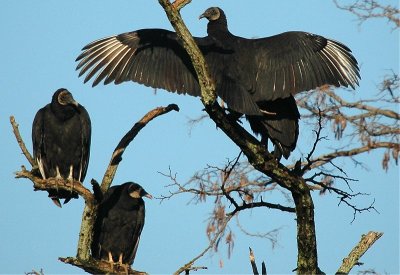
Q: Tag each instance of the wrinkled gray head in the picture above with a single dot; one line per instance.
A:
(212, 14)
(64, 97)
(136, 191)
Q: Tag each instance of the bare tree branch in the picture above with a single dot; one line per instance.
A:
(270, 235)
(368, 9)
(254, 265)
(56, 183)
(129, 136)
(359, 105)
(179, 4)
(253, 262)
(214, 240)
(261, 204)
(34, 272)
(358, 251)
(367, 121)
(100, 267)
(21, 143)
(327, 158)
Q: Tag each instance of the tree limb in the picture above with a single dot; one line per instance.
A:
(323, 159)
(358, 251)
(129, 136)
(100, 267)
(361, 106)
(57, 183)
(261, 204)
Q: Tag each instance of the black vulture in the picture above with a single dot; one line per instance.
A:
(61, 133)
(119, 223)
(255, 77)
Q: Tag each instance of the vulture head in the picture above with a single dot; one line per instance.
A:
(212, 14)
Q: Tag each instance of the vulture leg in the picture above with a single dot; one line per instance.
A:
(110, 260)
(53, 195)
(125, 266)
(41, 169)
(71, 179)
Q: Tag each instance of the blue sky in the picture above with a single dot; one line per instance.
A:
(40, 41)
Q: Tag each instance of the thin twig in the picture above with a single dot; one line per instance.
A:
(189, 264)
(271, 235)
(21, 143)
(367, 9)
(318, 138)
(227, 173)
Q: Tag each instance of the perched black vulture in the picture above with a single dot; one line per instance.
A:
(256, 77)
(119, 223)
(61, 134)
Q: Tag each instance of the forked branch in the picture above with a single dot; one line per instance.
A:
(254, 265)
(189, 265)
(368, 9)
(83, 259)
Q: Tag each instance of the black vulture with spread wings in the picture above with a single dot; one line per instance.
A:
(255, 77)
